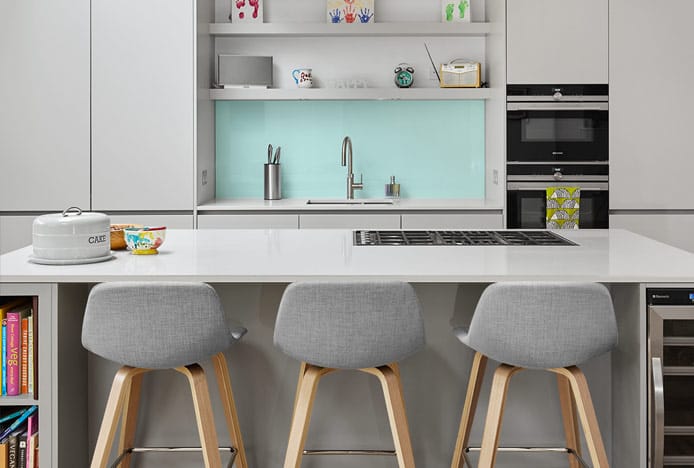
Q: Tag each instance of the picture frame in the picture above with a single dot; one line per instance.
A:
(246, 11)
(455, 11)
(350, 11)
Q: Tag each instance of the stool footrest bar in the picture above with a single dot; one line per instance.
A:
(530, 450)
(350, 452)
(133, 450)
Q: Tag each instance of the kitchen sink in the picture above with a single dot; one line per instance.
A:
(349, 202)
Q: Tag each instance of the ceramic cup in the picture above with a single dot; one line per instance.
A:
(302, 77)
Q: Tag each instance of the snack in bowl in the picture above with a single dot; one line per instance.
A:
(118, 235)
(144, 240)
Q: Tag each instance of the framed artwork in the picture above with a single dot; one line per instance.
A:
(246, 11)
(455, 11)
(350, 11)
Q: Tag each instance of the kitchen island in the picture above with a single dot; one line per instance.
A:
(250, 269)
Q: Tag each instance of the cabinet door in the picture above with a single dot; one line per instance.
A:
(672, 229)
(651, 162)
(44, 105)
(349, 221)
(143, 97)
(453, 221)
(557, 41)
(15, 232)
(249, 221)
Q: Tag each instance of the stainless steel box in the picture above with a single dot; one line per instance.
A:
(244, 71)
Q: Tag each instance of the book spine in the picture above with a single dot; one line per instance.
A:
(12, 445)
(24, 364)
(32, 447)
(31, 354)
(4, 356)
(14, 337)
(22, 451)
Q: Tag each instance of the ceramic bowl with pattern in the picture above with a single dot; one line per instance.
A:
(144, 240)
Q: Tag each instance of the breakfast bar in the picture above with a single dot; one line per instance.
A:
(250, 270)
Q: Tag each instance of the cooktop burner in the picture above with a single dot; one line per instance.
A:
(508, 238)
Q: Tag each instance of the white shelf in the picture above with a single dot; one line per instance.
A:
(372, 29)
(26, 399)
(363, 94)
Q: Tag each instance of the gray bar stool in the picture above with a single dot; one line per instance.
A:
(158, 325)
(551, 326)
(362, 326)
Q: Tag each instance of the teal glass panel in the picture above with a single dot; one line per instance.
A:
(435, 149)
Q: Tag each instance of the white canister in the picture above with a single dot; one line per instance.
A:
(71, 235)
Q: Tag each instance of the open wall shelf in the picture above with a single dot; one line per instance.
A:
(330, 94)
(372, 29)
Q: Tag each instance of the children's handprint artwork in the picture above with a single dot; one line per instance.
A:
(350, 11)
(246, 11)
(455, 11)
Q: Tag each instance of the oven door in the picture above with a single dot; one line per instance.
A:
(526, 204)
(562, 131)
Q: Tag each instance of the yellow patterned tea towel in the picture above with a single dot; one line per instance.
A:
(563, 204)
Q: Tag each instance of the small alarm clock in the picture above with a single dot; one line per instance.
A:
(404, 75)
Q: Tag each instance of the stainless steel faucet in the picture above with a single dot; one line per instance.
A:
(347, 161)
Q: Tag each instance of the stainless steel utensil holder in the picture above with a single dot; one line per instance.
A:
(273, 182)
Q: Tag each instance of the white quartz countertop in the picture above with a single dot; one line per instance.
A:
(267, 256)
(299, 204)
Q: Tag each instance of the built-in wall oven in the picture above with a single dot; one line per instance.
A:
(557, 136)
(671, 377)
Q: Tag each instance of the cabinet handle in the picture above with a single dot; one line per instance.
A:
(659, 410)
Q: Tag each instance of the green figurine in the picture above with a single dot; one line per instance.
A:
(449, 11)
(462, 6)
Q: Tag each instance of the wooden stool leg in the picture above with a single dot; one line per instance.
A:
(301, 419)
(114, 407)
(474, 385)
(568, 412)
(203, 414)
(586, 412)
(131, 404)
(221, 370)
(495, 412)
(392, 391)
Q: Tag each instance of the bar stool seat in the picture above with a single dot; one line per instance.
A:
(161, 325)
(538, 325)
(365, 326)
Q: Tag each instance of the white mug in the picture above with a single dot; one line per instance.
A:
(302, 77)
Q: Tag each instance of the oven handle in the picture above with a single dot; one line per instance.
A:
(557, 106)
(551, 178)
(541, 186)
(659, 416)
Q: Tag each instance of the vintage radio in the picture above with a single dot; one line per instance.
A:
(460, 73)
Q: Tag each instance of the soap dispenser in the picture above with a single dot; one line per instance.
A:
(393, 188)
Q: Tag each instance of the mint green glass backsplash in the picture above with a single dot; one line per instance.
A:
(435, 149)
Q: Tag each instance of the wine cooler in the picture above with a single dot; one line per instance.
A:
(671, 377)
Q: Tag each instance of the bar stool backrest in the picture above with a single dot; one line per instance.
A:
(156, 325)
(349, 325)
(543, 324)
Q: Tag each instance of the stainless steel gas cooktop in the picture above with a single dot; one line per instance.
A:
(508, 238)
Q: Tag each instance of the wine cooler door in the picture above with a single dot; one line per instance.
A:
(671, 386)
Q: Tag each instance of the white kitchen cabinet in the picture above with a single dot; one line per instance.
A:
(143, 104)
(15, 232)
(673, 229)
(349, 221)
(651, 102)
(558, 41)
(171, 221)
(453, 221)
(44, 105)
(249, 221)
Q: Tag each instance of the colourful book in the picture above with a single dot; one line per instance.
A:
(3, 454)
(30, 370)
(32, 429)
(19, 421)
(14, 349)
(24, 362)
(3, 375)
(4, 309)
(32, 448)
(12, 449)
(22, 451)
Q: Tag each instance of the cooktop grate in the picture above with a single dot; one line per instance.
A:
(508, 238)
